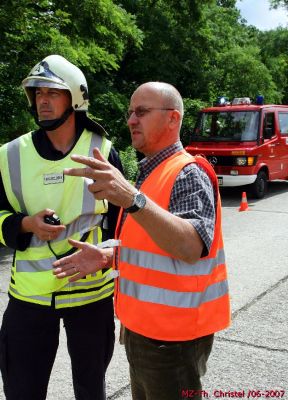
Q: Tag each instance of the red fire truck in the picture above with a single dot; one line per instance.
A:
(246, 143)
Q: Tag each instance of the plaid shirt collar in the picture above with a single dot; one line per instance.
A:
(147, 165)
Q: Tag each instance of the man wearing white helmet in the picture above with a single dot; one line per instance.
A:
(39, 210)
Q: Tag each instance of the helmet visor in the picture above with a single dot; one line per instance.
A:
(36, 82)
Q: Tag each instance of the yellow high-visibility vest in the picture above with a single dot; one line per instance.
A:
(32, 184)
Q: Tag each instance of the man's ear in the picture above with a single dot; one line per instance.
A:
(175, 116)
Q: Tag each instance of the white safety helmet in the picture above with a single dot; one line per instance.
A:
(56, 72)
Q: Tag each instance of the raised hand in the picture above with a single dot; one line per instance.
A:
(108, 182)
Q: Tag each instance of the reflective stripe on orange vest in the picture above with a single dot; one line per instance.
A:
(170, 265)
(171, 298)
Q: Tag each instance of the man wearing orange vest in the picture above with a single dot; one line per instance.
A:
(171, 289)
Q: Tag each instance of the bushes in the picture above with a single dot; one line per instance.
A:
(130, 164)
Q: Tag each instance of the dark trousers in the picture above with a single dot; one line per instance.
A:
(29, 340)
(162, 370)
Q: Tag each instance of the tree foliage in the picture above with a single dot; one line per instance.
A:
(279, 3)
(92, 34)
(275, 56)
(203, 47)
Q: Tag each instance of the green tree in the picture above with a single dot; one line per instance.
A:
(172, 48)
(92, 34)
(191, 110)
(203, 47)
(245, 75)
(274, 45)
(279, 3)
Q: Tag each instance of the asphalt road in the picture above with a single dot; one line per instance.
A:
(250, 359)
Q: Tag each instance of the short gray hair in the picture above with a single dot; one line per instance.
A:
(171, 97)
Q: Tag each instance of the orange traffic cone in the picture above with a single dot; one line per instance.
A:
(244, 204)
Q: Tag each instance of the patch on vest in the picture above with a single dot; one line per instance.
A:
(49, 179)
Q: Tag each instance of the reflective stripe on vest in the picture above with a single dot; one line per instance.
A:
(80, 298)
(45, 300)
(171, 298)
(83, 224)
(67, 300)
(88, 200)
(3, 215)
(158, 262)
(13, 156)
(44, 264)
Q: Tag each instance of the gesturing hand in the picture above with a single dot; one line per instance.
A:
(87, 260)
(108, 183)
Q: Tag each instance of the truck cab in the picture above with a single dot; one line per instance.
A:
(246, 143)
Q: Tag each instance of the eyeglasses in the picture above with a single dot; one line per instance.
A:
(142, 111)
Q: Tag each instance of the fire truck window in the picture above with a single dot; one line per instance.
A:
(269, 125)
(283, 122)
(227, 125)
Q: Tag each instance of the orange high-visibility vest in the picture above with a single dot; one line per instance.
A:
(159, 296)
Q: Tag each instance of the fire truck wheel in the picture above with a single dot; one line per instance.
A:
(259, 187)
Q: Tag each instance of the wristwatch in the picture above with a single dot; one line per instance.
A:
(139, 201)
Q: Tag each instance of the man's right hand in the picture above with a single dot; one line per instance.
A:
(42, 230)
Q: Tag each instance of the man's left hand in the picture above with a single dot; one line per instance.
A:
(87, 260)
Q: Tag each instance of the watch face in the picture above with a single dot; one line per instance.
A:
(140, 200)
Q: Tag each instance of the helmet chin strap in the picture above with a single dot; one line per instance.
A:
(52, 124)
